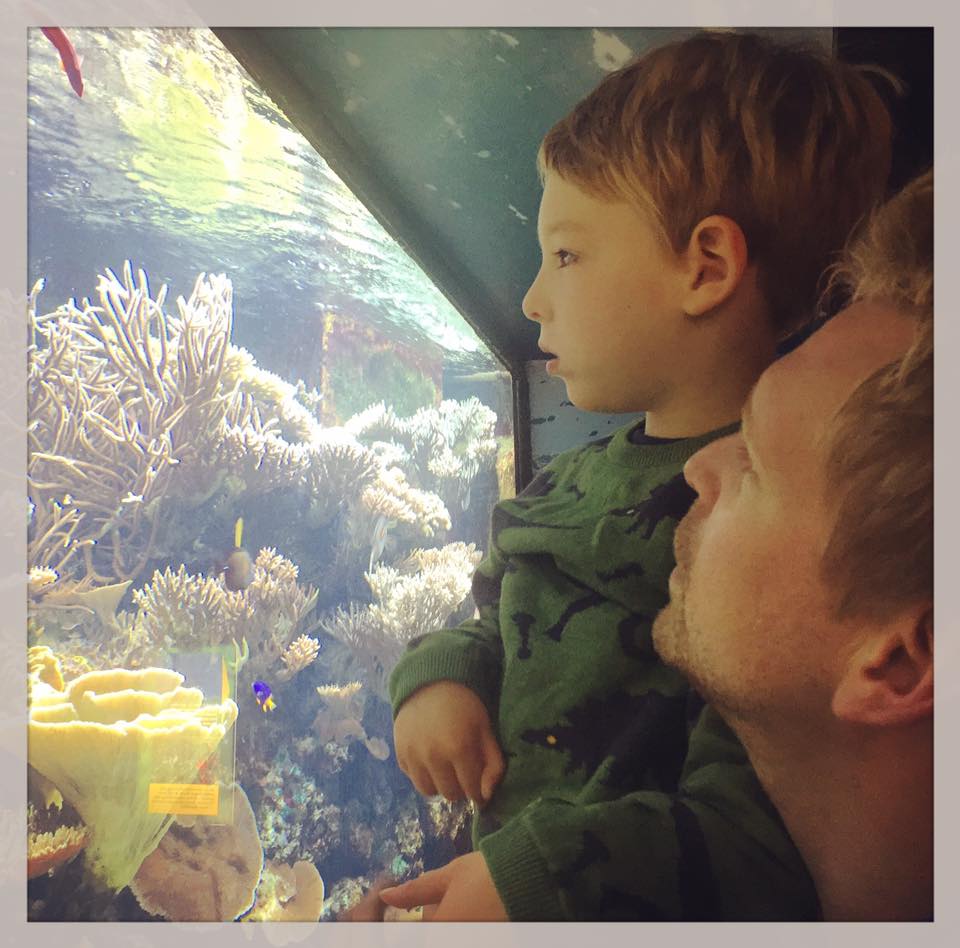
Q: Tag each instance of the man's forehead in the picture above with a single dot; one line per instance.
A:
(797, 398)
(849, 348)
(861, 339)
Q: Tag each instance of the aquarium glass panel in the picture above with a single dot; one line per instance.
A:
(263, 451)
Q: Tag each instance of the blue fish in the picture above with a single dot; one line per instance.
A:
(261, 691)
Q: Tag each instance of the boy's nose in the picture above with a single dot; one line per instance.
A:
(529, 306)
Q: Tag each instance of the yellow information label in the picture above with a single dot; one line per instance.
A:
(189, 799)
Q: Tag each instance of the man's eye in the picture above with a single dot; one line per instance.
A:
(564, 257)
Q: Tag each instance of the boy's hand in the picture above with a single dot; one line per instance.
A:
(445, 743)
(461, 891)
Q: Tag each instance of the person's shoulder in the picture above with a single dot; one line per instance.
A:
(565, 465)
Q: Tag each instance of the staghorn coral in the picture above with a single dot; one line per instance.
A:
(415, 599)
(122, 396)
(178, 609)
(393, 497)
(271, 392)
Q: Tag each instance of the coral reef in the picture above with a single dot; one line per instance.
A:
(109, 735)
(180, 610)
(150, 434)
(132, 407)
(300, 653)
(288, 894)
(444, 447)
(414, 598)
(203, 870)
(121, 396)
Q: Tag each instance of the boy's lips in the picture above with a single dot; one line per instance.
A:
(551, 364)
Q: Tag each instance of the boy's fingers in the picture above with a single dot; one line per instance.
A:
(469, 768)
(446, 782)
(424, 890)
(492, 767)
(421, 779)
(369, 908)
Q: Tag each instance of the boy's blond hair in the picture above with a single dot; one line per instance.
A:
(879, 557)
(790, 143)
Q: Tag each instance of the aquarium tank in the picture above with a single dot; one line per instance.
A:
(263, 451)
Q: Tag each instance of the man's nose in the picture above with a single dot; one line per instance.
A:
(702, 470)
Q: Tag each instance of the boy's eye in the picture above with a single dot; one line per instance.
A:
(564, 257)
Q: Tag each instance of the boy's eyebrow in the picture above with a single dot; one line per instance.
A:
(569, 225)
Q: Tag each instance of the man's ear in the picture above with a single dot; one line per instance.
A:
(888, 680)
(715, 261)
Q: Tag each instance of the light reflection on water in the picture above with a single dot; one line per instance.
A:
(174, 158)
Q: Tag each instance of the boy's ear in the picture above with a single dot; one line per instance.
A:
(715, 261)
(888, 679)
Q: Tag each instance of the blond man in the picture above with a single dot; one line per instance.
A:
(690, 203)
(802, 601)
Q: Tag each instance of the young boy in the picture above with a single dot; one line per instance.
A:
(690, 204)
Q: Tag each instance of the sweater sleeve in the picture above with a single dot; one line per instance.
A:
(471, 653)
(714, 850)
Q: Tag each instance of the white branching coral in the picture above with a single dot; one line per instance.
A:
(300, 653)
(122, 395)
(271, 393)
(415, 599)
(445, 445)
(131, 405)
(180, 609)
(392, 496)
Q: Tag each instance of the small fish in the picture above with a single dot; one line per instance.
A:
(206, 769)
(238, 569)
(378, 539)
(264, 696)
(70, 62)
(465, 500)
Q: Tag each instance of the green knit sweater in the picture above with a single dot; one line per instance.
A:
(622, 797)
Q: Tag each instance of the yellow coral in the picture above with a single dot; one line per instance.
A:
(106, 738)
(42, 665)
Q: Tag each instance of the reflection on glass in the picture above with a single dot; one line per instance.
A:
(263, 453)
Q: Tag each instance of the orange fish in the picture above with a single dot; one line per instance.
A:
(70, 62)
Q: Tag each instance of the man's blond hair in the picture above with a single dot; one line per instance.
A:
(879, 558)
(790, 143)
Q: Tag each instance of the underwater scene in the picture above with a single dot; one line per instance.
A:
(263, 451)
